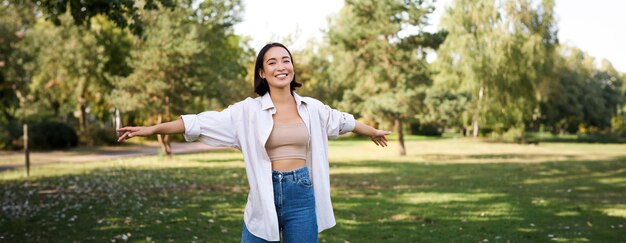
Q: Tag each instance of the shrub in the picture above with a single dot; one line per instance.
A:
(601, 138)
(96, 136)
(426, 129)
(514, 135)
(10, 135)
(52, 135)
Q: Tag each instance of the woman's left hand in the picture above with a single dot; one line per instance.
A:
(379, 137)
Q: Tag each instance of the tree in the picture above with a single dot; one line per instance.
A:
(189, 60)
(499, 52)
(313, 66)
(583, 96)
(124, 13)
(386, 71)
(72, 67)
(444, 108)
(14, 21)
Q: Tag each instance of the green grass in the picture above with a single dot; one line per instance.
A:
(450, 190)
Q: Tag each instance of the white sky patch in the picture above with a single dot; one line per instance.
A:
(596, 27)
(273, 20)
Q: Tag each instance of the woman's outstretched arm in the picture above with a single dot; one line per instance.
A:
(377, 136)
(172, 127)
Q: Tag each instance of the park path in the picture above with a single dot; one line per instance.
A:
(15, 159)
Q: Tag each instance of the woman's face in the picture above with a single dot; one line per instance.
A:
(277, 68)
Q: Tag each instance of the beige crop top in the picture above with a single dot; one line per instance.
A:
(287, 141)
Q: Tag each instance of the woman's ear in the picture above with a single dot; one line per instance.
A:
(261, 73)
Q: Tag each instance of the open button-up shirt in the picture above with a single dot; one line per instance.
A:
(246, 126)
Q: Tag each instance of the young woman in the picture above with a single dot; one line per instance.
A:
(284, 141)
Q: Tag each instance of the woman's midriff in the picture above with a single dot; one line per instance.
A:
(287, 165)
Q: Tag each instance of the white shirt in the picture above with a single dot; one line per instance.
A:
(247, 125)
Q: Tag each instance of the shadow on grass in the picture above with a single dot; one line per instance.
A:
(374, 201)
(455, 157)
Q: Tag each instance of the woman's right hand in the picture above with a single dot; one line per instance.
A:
(130, 132)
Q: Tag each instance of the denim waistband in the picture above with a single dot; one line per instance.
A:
(304, 171)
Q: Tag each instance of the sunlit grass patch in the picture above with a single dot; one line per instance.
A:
(616, 211)
(358, 170)
(432, 197)
(568, 213)
(614, 181)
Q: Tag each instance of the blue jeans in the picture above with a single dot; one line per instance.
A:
(295, 206)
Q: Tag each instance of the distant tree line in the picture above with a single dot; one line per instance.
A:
(500, 70)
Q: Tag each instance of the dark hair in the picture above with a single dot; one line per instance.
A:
(260, 84)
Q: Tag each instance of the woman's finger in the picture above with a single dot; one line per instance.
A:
(123, 129)
(125, 136)
(121, 138)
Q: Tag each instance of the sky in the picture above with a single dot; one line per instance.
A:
(597, 27)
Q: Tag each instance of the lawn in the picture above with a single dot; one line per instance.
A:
(450, 190)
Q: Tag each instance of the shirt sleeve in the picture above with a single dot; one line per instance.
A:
(337, 122)
(212, 128)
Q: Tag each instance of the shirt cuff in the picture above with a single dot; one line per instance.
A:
(192, 127)
(348, 123)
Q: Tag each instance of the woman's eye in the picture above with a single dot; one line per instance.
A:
(287, 61)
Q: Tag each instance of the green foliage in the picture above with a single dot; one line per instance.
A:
(70, 69)
(10, 133)
(618, 125)
(189, 61)
(499, 52)
(98, 136)
(512, 135)
(445, 107)
(427, 129)
(124, 13)
(313, 67)
(51, 135)
(14, 20)
(77, 70)
(601, 138)
(387, 76)
(582, 96)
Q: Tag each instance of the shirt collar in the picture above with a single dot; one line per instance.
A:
(266, 100)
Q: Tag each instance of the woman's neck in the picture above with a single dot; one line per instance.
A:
(281, 96)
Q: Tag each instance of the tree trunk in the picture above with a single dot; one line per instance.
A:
(400, 136)
(82, 103)
(82, 116)
(117, 120)
(475, 128)
(477, 113)
(164, 140)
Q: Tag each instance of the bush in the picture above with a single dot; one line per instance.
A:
(618, 125)
(10, 135)
(426, 129)
(601, 138)
(514, 135)
(96, 136)
(52, 135)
